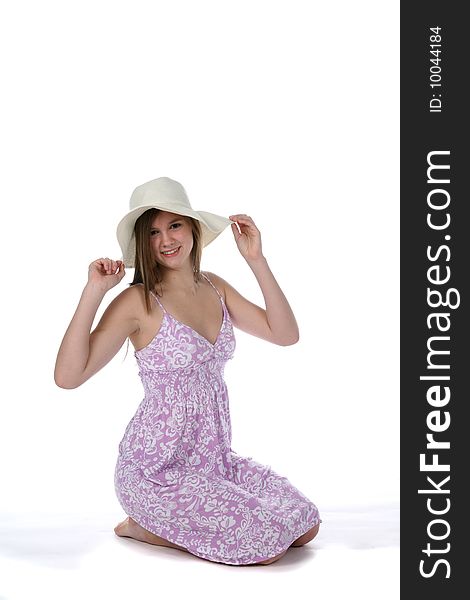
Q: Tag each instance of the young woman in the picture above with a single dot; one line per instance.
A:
(176, 476)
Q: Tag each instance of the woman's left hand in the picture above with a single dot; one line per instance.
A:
(248, 239)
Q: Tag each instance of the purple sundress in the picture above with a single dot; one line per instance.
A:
(176, 474)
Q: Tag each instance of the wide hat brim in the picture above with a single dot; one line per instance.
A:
(212, 225)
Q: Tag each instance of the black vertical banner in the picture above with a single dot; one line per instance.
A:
(434, 302)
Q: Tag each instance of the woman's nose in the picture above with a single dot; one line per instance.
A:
(167, 238)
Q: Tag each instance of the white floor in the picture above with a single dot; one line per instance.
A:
(68, 557)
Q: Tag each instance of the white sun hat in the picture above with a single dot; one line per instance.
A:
(168, 195)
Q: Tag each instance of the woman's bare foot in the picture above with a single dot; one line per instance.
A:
(306, 537)
(129, 528)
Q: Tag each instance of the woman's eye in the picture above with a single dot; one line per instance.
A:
(175, 225)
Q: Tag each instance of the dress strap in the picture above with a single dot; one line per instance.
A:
(158, 300)
(205, 276)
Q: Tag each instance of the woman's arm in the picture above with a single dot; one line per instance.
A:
(276, 323)
(82, 354)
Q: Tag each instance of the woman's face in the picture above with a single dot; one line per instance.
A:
(171, 239)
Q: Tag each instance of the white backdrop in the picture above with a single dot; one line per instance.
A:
(286, 111)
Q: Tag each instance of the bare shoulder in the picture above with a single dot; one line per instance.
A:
(135, 293)
(219, 283)
(227, 290)
(130, 298)
(128, 305)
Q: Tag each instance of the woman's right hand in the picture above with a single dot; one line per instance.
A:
(105, 273)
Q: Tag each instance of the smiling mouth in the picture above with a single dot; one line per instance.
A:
(171, 252)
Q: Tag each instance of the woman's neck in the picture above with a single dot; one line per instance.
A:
(179, 281)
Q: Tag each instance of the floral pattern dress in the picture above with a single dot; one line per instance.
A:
(176, 474)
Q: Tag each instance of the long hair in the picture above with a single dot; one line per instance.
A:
(147, 270)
